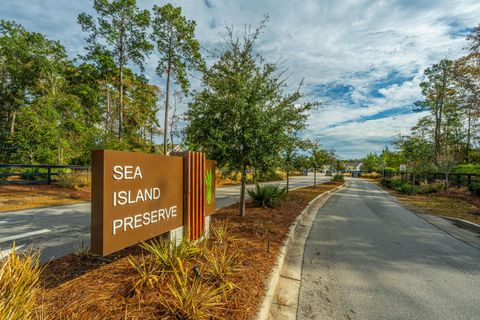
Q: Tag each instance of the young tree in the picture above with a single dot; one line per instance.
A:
(318, 157)
(179, 51)
(371, 162)
(242, 116)
(120, 31)
(288, 155)
(418, 153)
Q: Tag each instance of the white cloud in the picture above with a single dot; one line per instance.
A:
(357, 43)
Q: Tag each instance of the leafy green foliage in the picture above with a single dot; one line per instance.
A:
(474, 188)
(338, 178)
(407, 189)
(245, 95)
(267, 196)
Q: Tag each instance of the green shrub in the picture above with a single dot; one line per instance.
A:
(407, 188)
(267, 196)
(397, 184)
(338, 178)
(474, 188)
(30, 174)
(386, 182)
(4, 172)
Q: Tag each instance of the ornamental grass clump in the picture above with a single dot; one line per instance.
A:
(222, 232)
(19, 283)
(190, 298)
(267, 196)
(166, 253)
(221, 266)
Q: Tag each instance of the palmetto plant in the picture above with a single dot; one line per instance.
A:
(167, 253)
(188, 298)
(267, 196)
(208, 185)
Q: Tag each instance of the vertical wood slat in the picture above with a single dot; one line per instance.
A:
(194, 200)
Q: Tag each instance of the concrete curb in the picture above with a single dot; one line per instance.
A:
(474, 225)
(274, 277)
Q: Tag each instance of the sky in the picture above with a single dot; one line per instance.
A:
(363, 59)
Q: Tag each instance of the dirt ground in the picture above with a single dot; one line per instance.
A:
(16, 197)
(82, 286)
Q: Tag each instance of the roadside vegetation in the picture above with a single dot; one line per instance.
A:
(441, 153)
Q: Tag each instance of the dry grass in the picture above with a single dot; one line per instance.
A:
(17, 197)
(19, 284)
(440, 205)
(458, 203)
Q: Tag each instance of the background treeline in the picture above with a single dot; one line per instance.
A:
(447, 138)
(54, 109)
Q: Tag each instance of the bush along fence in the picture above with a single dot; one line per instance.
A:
(35, 173)
(455, 179)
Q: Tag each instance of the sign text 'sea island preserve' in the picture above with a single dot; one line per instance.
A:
(137, 196)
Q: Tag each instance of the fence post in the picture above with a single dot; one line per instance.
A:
(469, 180)
(49, 176)
(459, 183)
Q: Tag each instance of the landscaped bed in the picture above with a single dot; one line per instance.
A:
(235, 261)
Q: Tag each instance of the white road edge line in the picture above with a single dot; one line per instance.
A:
(5, 253)
(24, 235)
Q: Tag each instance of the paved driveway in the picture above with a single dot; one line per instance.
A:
(367, 257)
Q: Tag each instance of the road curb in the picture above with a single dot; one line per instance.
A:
(263, 312)
(471, 224)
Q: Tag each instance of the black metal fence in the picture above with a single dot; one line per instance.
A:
(33, 173)
(455, 179)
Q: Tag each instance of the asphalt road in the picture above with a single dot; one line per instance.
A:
(61, 230)
(367, 257)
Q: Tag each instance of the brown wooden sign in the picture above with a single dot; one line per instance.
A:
(135, 197)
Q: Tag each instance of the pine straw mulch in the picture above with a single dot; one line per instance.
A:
(17, 197)
(82, 286)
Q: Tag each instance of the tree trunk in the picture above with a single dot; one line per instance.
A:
(167, 94)
(467, 148)
(314, 177)
(107, 116)
(242, 190)
(12, 123)
(288, 180)
(120, 89)
(446, 182)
